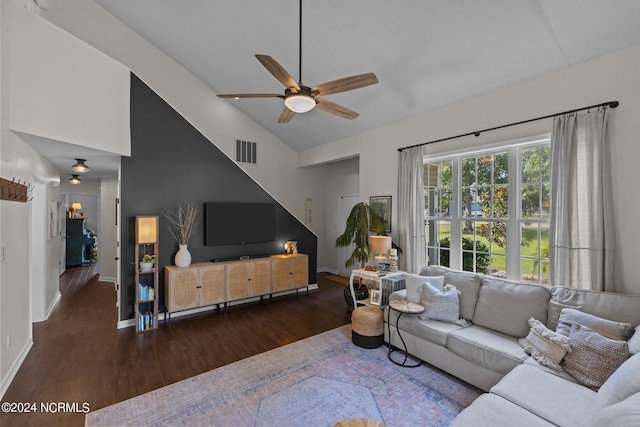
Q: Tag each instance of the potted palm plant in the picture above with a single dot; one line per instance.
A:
(357, 232)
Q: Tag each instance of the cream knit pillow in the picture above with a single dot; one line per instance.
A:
(544, 345)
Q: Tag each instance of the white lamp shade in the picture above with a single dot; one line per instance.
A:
(146, 229)
(380, 244)
(299, 103)
(76, 205)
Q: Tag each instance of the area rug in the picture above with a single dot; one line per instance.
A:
(317, 381)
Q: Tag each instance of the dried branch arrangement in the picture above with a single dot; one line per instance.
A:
(183, 223)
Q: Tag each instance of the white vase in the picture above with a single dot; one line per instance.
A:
(183, 257)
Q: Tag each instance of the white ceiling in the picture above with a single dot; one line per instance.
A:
(425, 53)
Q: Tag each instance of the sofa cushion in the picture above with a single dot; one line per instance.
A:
(434, 331)
(440, 305)
(622, 414)
(414, 282)
(467, 283)
(493, 350)
(562, 374)
(544, 345)
(593, 357)
(549, 396)
(624, 382)
(507, 307)
(617, 307)
(609, 328)
(492, 410)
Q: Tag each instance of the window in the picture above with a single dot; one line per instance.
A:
(474, 218)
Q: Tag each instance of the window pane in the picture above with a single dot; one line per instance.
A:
(545, 163)
(530, 161)
(468, 171)
(438, 233)
(501, 168)
(485, 170)
(546, 201)
(530, 201)
(500, 201)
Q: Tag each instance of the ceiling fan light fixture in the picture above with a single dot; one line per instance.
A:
(80, 167)
(299, 103)
(75, 179)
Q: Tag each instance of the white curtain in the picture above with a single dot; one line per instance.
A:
(411, 210)
(581, 235)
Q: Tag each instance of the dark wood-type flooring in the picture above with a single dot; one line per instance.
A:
(79, 356)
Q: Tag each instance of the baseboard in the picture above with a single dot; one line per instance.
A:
(107, 279)
(163, 316)
(13, 369)
(53, 304)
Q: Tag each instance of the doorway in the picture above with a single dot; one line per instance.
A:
(345, 204)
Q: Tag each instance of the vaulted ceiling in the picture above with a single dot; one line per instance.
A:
(425, 53)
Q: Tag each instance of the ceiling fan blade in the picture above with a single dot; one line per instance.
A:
(278, 71)
(251, 95)
(337, 109)
(286, 115)
(347, 83)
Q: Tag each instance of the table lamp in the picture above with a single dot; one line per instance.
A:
(380, 245)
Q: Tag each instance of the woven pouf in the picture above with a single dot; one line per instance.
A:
(367, 327)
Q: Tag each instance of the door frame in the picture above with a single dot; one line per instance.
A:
(345, 203)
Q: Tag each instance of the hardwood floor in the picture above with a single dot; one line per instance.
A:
(79, 356)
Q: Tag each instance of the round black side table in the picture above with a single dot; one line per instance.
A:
(402, 307)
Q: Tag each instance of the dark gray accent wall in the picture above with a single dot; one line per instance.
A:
(172, 163)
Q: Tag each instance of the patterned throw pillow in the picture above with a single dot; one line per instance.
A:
(440, 305)
(593, 357)
(544, 345)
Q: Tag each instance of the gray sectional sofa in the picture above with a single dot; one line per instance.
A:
(485, 352)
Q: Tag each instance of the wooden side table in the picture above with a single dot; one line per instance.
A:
(402, 307)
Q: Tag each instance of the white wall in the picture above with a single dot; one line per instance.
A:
(107, 239)
(215, 118)
(342, 178)
(63, 89)
(46, 90)
(611, 77)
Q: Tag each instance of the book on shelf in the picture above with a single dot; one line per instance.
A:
(146, 320)
(146, 293)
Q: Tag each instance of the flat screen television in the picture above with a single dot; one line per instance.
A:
(228, 223)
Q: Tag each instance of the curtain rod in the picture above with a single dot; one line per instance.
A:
(610, 104)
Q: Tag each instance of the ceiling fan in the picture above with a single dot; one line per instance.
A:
(299, 98)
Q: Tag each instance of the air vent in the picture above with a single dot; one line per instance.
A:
(246, 152)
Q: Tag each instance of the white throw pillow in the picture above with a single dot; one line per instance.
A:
(544, 345)
(440, 305)
(413, 283)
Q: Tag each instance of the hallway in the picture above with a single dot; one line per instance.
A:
(81, 360)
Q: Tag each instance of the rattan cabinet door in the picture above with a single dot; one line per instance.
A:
(237, 280)
(280, 268)
(212, 289)
(181, 287)
(260, 275)
(299, 271)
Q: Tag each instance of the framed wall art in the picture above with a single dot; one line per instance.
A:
(381, 205)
